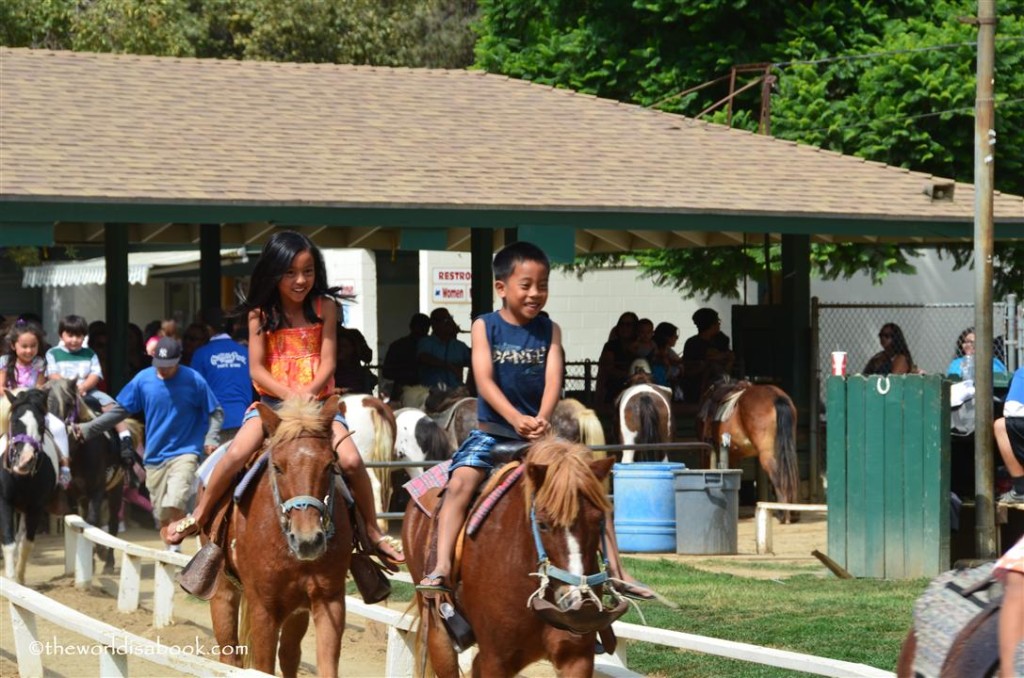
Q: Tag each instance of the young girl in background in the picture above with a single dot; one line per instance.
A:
(22, 366)
(293, 320)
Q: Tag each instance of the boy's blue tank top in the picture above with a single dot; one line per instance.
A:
(520, 357)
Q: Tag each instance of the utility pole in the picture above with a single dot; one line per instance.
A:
(984, 171)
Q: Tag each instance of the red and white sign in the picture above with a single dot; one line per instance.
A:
(451, 294)
(448, 276)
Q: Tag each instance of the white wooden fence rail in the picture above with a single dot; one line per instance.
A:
(112, 647)
(763, 521)
(80, 537)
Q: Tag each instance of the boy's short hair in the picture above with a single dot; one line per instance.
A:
(508, 256)
(75, 325)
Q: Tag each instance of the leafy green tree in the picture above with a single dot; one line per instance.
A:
(851, 77)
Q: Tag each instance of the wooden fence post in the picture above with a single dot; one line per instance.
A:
(113, 662)
(163, 594)
(131, 580)
(401, 653)
(26, 643)
(83, 562)
(70, 547)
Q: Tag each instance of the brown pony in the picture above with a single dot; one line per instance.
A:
(497, 572)
(290, 546)
(761, 421)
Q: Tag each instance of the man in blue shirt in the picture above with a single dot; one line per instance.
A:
(1009, 434)
(441, 356)
(183, 421)
(224, 363)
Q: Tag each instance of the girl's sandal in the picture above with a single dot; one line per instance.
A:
(175, 533)
(389, 560)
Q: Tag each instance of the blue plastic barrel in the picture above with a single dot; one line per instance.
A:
(645, 508)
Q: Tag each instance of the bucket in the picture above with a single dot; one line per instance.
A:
(707, 511)
(645, 512)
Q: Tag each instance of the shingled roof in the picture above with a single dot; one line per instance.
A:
(164, 142)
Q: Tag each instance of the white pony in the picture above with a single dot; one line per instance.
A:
(420, 438)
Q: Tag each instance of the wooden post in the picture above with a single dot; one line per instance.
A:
(984, 173)
(70, 547)
(128, 589)
(401, 653)
(163, 594)
(83, 563)
(113, 663)
(763, 526)
(26, 643)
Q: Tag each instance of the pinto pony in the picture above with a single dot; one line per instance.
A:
(27, 475)
(761, 422)
(372, 424)
(290, 547)
(645, 417)
(552, 517)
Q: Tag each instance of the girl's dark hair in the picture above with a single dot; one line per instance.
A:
(960, 342)
(274, 261)
(507, 257)
(19, 328)
(899, 342)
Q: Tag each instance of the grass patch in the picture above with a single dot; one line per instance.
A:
(858, 620)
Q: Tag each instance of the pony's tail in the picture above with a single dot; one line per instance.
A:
(591, 431)
(650, 421)
(787, 469)
(384, 428)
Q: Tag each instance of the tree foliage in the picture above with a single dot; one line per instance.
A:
(432, 33)
(853, 77)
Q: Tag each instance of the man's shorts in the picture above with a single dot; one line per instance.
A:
(274, 403)
(475, 452)
(1015, 431)
(170, 484)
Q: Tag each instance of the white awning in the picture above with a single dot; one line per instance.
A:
(94, 271)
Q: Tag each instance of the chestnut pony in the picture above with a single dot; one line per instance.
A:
(290, 543)
(498, 567)
(761, 421)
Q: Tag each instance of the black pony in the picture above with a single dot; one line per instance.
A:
(27, 476)
(96, 470)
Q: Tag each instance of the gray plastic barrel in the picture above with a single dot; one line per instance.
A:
(707, 511)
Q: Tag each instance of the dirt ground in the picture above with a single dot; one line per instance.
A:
(364, 643)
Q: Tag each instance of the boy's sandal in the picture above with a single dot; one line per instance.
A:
(436, 585)
(389, 560)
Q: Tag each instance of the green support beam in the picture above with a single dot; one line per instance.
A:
(26, 234)
(116, 254)
(559, 242)
(434, 239)
(209, 266)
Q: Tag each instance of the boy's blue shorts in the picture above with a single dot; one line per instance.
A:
(274, 403)
(475, 452)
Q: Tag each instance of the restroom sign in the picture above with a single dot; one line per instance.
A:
(451, 294)
(452, 285)
(449, 276)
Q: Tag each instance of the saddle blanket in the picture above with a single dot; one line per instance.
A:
(437, 477)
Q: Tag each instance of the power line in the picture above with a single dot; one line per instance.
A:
(871, 55)
(962, 109)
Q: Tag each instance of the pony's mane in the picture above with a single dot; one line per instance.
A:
(568, 476)
(64, 394)
(300, 417)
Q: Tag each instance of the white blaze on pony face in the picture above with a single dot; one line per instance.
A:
(575, 554)
(31, 424)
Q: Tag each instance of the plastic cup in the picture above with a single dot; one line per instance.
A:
(839, 363)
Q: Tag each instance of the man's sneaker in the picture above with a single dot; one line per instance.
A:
(1011, 497)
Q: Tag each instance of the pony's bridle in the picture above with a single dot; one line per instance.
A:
(11, 457)
(303, 501)
(587, 613)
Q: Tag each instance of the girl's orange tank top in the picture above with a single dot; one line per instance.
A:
(292, 356)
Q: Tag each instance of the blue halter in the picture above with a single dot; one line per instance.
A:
(303, 501)
(546, 569)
